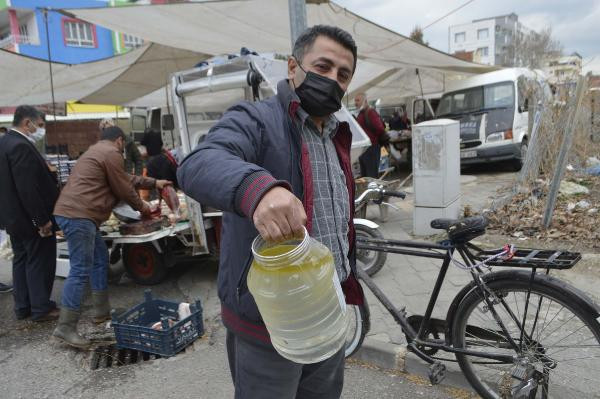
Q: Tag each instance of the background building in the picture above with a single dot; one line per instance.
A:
(23, 30)
(563, 69)
(489, 41)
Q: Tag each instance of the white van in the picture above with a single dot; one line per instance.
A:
(493, 110)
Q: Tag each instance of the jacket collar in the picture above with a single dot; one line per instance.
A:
(287, 97)
(21, 134)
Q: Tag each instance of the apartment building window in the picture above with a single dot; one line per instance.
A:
(483, 34)
(130, 41)
(79, 34)
(459, 37)
(23, 34)
(482, 51)
(23, 31)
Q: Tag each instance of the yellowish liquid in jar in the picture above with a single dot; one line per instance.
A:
(302, 309)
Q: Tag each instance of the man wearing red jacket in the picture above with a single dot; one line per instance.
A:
(371, 123)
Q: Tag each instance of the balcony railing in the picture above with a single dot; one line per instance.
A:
(11, 40)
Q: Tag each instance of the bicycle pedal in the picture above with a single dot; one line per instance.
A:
(437, 373)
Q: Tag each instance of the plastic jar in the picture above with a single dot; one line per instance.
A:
(298, 293)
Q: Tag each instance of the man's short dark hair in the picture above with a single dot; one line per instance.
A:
(26, 112)
(112, 133)
(306, 40)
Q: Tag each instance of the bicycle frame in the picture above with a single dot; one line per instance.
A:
(429, 250)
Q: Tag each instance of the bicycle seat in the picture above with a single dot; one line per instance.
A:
(462, 230)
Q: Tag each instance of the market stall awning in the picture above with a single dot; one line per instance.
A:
(115, 80)
(220, 27)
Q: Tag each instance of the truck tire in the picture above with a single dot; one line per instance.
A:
(144, 264)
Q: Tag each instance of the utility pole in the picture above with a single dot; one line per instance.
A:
(297, 18)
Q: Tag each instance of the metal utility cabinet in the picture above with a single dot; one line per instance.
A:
(436, 172)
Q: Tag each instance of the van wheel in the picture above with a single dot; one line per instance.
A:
(519, 162)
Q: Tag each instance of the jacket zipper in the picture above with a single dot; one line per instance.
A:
(243, 277)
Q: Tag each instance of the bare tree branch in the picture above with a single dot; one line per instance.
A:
(531, 49)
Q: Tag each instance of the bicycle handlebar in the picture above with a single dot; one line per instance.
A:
(398, 194)
(381, 193)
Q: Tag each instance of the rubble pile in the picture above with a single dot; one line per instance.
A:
(575, 217)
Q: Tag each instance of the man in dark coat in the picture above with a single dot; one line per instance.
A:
(273, 167)
(28, 192)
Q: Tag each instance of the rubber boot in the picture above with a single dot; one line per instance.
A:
(66, 330)
(100, 306)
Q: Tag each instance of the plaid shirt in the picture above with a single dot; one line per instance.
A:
(331, 212)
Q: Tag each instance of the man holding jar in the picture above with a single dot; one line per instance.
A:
(275, 167)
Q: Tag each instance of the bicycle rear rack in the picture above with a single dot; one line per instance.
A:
(529, 257)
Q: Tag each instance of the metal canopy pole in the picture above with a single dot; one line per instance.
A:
(45, 11)
(59, 171)
(297, 18)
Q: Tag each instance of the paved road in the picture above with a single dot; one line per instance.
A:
(25, 355)
(31, 367)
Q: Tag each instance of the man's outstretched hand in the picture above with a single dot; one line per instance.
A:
(279, 215)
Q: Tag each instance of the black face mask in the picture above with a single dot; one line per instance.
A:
(319, 96)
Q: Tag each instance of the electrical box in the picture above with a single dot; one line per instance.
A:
(436, 172)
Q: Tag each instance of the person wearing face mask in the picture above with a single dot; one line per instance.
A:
(96, 184)
(28, 192)
(274, 167)
(372, 124)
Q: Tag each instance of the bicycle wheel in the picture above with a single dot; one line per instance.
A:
(559, 356)
(370, 261)
(359, 324)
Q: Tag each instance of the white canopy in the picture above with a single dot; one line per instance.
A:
(187, 33)
(115, 80)
(387, 60)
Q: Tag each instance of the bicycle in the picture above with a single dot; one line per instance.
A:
(515, 333)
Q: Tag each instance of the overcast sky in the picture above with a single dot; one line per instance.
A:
(576, 23)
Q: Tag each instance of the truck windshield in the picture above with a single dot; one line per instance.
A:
(477, 99)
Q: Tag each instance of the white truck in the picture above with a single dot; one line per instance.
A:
(199, 97)
(494, 113)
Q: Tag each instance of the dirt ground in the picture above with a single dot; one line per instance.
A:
(574, 225)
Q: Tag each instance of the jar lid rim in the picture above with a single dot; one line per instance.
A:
(259, 242)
